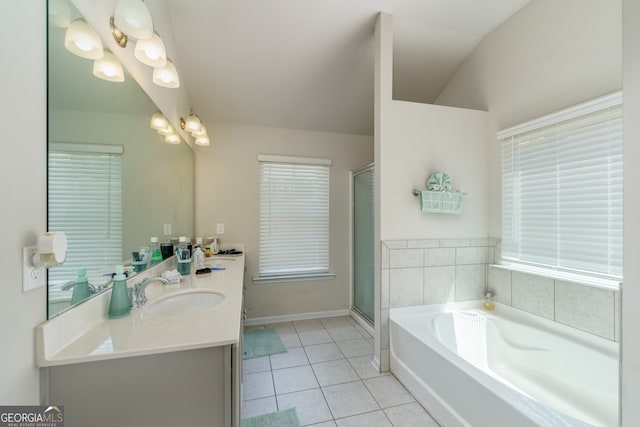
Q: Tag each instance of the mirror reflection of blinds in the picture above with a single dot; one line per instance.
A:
(294, 216)
(562, 191)
(85, 201)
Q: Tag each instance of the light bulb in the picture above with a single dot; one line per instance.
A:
(108, 68)
(80, 39)
(193, 123)
(151, 51)
(133, 18)
(166, 76)
(172, 139)
(158, 121)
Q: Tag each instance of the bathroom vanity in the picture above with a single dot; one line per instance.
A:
(174, 361)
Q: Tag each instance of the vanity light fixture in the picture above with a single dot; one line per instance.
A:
(159, 121)
(203, 140)
(151, 51)
(192, 124)
(172, 138)
(108, 68)
(166, 76)
(168, 130)
(82, 40)
(133, 18)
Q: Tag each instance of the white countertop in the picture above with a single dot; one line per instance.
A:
(85, 333)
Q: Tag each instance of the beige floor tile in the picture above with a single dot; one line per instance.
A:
(293, 357)
(255, 386)
(323, 352)
(411, 415)
(334, 372)
(310, 405)
(253, 408)
(349, 399)
(370, 419)
(388, 391)
(289, 380)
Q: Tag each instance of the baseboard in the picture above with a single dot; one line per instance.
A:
(269, 320)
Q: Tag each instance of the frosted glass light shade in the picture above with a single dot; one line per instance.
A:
(159, 121)
(80, 39)
(166, 76)
(151, 51)
(193, 123)
(172, 139)
(202, 131)
(108, 68)
(133, 18)
(168, 130)
(203, 140)
(59, 13)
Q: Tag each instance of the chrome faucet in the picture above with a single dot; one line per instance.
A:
(138, 296)
(94, 289)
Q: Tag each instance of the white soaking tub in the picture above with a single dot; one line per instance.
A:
(507, 368)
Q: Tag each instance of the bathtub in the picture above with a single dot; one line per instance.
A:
(471, 367)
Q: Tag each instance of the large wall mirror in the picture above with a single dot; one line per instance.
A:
(113, 182)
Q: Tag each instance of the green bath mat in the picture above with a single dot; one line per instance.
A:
(288, 418)
(262, 342)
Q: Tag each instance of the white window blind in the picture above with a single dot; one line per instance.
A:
(85, 202)
(562, 191)
(294, 216)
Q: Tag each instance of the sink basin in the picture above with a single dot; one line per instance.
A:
(179, 303)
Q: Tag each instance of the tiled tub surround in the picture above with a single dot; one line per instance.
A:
(435, 271)
(590, 309)
(417, 272)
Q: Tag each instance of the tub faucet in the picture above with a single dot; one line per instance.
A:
(138, 296)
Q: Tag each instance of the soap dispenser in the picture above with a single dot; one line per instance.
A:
(81, 289)
(488, 303)
(120, 304)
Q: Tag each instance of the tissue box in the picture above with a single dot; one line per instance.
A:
(441, 202)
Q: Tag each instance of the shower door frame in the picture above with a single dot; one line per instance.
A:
(356, 313)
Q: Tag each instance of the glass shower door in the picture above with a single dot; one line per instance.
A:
(363, 242)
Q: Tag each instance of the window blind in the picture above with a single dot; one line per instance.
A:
(294, 216)
(85, 202)
(562, 190)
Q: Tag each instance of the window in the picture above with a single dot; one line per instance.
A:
(85, 201)
(294, 216)
(562, 192)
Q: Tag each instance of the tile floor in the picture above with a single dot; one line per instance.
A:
(327, 375)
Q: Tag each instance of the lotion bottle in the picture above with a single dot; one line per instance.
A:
(488, 303)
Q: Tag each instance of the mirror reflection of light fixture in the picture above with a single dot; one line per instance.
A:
(108, 68)
(59, 13)
(158, 121)
(151, 51)
(203, 140)
(172, 138)
(82, 40)
(166, 76)
(134, 19)
(201, 132)
(193, 123)
(168, 130)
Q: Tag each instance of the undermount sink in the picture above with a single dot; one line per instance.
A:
(184, 302)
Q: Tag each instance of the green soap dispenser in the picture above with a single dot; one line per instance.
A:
(120, 304)
(81, 289)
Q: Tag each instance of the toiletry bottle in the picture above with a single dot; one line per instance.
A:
(154, 250)
(198, 258)
(488, 303)
(215, 248)
(81, 288)
(183, 251)
(120, 304)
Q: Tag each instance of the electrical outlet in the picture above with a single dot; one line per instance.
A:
(32, 277)
(220, 229)
(167, 229)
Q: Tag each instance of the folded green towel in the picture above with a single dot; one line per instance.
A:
(439, 181)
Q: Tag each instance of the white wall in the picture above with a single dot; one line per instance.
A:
(227, 191)
(631, 287)
(23, 176)
(422, 139)
(548, 56)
